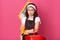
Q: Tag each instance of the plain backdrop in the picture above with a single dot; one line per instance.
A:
(48, 10)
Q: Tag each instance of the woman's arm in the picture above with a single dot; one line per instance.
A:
(37, 24)
(36, 27)
(29, 31)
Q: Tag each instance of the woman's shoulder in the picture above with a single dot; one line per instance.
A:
(37, 19)
(23, 18)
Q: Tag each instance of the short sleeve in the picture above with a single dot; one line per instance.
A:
(23, 20)
(37, 19)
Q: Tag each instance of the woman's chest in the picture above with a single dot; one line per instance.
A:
(29, 24)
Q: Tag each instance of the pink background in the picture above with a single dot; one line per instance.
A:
(48, 11)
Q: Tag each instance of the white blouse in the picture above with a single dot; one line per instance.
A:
(37, 19)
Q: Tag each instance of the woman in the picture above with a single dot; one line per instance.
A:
(30, 23)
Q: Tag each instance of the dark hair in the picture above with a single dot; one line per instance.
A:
(35, 13)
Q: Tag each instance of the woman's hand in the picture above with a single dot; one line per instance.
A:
(28, 31)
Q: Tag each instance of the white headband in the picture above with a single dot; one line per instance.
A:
(31, 6)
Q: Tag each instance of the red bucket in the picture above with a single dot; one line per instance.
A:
(34, 37)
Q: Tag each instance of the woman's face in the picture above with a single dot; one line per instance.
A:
(30, 11)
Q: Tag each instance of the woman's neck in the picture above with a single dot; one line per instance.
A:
(31, 16)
